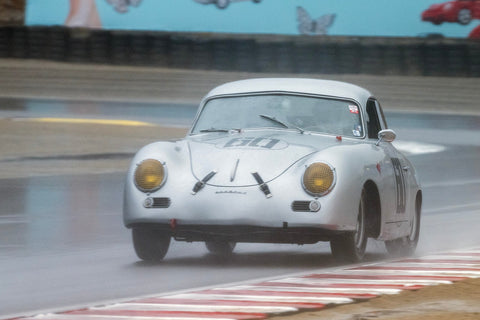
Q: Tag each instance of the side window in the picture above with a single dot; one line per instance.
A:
(383, 121)
(373, 122)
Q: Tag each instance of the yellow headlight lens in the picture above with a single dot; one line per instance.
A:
(149, 175)
(318, 179)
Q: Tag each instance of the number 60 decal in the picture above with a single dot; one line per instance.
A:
(262, 143)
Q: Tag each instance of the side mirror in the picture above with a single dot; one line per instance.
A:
(387, 135)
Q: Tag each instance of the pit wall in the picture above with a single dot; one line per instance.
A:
(250, 53)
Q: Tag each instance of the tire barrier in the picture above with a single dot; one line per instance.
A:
(249, 53)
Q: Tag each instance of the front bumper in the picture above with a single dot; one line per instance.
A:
(241, 233)
(245, 212)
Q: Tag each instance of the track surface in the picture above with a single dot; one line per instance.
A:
(62, 243)
(295, 293)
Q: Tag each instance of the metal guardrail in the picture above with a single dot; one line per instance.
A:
(253, 53)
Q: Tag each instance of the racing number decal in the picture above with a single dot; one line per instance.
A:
(265, 143)
(400, 185)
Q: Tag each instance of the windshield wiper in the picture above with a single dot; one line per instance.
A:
(275, 120)
(214, 130)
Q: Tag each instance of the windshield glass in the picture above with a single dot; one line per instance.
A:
(283, 111)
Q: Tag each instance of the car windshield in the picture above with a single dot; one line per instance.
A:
(283, 111)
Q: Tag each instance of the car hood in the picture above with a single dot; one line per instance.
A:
(235, 156)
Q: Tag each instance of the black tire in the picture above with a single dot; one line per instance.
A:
(257, 1)
(222, 4)
(351, 246)
(150, 245)
(406, 246)
(464, 16)
(220, 247)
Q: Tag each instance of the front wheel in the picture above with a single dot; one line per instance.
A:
(150, 245)
(220, 247)
(351, 247)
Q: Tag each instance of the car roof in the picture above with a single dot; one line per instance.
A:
(294, 85)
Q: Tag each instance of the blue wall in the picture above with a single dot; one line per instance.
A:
(352, 17)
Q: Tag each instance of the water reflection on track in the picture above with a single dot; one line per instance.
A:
(51, 213)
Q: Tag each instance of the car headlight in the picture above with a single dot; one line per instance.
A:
(319, 179)
(150, 175)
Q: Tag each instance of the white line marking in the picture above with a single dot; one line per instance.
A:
(365, 282)
(195, 308)
(440, 264)
(460, 259)
(325, 289)
(54, 316)
(292, 299)
(460, 273)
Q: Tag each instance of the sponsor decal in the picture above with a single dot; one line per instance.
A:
(353, 109)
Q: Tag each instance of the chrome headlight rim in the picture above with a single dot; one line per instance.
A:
(334, 180)
(157, 187)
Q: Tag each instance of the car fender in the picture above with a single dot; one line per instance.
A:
(174, 156)
(354, 165)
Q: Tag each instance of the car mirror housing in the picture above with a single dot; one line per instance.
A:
(387, 135)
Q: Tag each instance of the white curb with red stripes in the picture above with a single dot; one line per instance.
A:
(260, 300)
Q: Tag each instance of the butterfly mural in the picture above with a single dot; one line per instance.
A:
(222, 4)
(122, 5)
(319, 26)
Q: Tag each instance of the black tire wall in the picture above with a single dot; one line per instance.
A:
(249, 53)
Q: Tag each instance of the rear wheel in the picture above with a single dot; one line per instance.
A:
(150, 244)
(406, 246)
(220, 247)
(351, 247)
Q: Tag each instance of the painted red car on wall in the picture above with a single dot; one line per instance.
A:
(475, 34)
(459, 11)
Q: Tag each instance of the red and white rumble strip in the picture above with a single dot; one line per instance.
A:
(260, 300)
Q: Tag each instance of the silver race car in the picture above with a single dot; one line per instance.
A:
(277, 161)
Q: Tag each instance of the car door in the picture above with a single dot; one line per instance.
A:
(394, 169)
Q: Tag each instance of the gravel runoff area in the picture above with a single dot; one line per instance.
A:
(30, 148)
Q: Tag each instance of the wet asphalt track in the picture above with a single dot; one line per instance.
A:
(62, 242)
